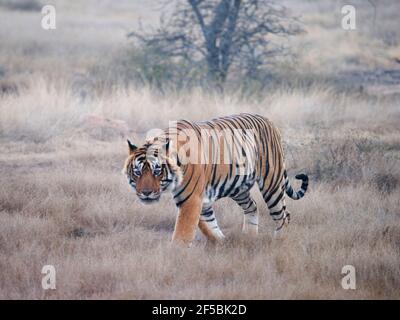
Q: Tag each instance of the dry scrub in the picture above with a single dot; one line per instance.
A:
(63, 201)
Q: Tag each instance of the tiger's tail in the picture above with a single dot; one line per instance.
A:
(296, 195)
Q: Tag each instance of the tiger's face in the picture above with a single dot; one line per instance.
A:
(147, 174)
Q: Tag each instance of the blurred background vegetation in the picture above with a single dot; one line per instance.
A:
(161, 44)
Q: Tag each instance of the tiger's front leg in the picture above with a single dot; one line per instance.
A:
(187, 221)
(208, 224)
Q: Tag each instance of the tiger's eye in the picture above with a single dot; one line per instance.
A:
(137, 172)
(157, 170)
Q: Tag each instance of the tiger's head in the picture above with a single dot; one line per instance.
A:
(150, 172)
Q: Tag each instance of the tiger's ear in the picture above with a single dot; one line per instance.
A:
(132, 147)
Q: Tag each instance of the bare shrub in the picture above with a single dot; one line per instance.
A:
(386, 182)
(22, 5)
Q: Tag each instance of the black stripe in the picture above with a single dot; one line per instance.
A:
(179, 203)
(277, 213)
(207, 213)
(183, 188)
(222, 188)
(270, 194)
(228, 192)
(276, 200)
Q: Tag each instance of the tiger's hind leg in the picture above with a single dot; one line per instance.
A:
(250, 218)
(275, 201)
(208, 224)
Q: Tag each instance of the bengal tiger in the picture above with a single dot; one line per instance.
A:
(201, 162)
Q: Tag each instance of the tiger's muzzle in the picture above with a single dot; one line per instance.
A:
(148, 196)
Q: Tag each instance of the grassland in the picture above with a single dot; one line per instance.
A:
(64, 201)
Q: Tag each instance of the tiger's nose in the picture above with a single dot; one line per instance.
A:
(147, 192)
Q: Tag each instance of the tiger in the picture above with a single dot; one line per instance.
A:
(201, 162)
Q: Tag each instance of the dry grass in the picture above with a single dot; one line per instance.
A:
(63, 200)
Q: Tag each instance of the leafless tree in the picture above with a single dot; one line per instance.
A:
(225, 34)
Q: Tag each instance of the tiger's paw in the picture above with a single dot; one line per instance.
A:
(279, 234)
(281, 229)
(181, 243)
